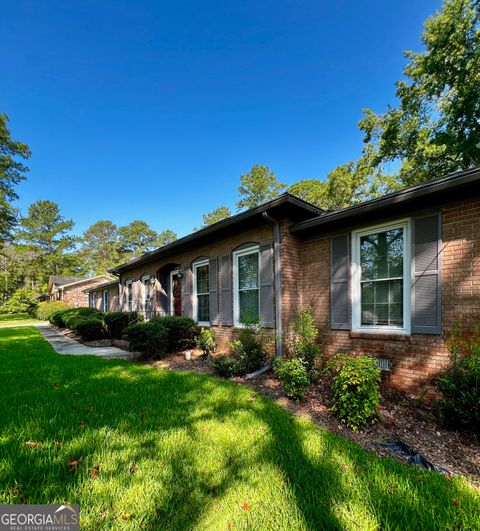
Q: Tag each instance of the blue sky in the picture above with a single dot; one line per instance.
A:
(151, 109)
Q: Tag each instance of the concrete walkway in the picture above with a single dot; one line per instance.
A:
(66, 345)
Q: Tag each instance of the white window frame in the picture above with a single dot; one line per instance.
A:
(405, 224)
(93, 301)
(128, 285)
(104, 300)
(236, 298)
(195, 266)
(144, 294)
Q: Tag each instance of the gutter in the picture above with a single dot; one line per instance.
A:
(278, 296)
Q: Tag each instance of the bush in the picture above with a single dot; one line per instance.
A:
(88, 328)
(250, 347)
(294, 376)
(56, 318)
(181, 331)
(303, 345)
(150, 338)
(22, 301)
(206, 341)
(227, 366)
(116, 322)
(460, 383)
(356, 388)
(45, 309)
(72, 314)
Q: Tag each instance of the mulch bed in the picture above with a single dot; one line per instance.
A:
(400, 417)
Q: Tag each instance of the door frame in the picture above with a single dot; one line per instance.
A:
(171, 307)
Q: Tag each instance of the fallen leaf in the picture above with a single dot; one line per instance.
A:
(82, 424)
(58, 444)
(345, 467)
(15, 491)
(454, 501)
(126, 516)
(95, 471)
(73, 465)
(246, 506)
(133, 468)
(33, 444)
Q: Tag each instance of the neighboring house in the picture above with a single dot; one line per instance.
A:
(388, 277)
(70, 289)
(103, 296)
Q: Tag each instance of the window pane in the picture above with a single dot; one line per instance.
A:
(248, 303)
(381, 254)
(202, 279)
(203, 308)
(382, 303)
(248, 271)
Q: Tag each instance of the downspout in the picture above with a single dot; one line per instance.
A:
(278, 296)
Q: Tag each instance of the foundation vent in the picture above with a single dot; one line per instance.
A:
(384, 364)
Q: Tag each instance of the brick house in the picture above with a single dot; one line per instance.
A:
(388, 277)
(71, 289)
(103, 296)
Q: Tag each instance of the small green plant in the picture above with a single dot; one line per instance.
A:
(294, 376)
(89, 328)
(45, 309)
(206, 341)
(356, 391)
(460, 383)
(227, 366)
(302, 344)
(250, 347)
(150, 338)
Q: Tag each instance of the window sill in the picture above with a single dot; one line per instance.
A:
(206, 325)
(384, 336)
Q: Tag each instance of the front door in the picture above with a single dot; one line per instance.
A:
(175, 293)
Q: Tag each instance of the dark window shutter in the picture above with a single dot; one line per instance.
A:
(213, 299)
(226, 271)
(266, 285)
(187, 296)
(426, 297)
(162, 293)
(340, 282)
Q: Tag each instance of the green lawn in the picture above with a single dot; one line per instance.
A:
(206, 454)
(16, 319)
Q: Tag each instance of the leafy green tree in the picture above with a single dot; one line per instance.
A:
(435, 129)
(136, 238)
(44, 235)
(258, 186)
(165, 237)
(101, 248)
(12, 172)
(220, 213)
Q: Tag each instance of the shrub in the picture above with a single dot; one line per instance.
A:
(303, 344)
(150, 338)
(73, 313)
(56, 318)
(355, 388)
(227, 366)
(250, 347)
(116, 322)
(22, 301)
(294, 376)
(181, 331)
(460, 383)
(206, 341)
(88, 328)
(45, 309)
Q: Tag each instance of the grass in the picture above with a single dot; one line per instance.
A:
(180, 450)
(11, 319)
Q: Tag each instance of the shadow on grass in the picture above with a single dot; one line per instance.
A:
(206, 453)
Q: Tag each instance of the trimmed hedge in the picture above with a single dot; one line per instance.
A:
(47, 308)
(181, 331)
(151, 339)
(88, 328)
(62, 318)
(116, 322)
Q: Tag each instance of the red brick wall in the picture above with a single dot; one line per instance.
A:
(75, 296)
(418, 358)
(224, 334)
